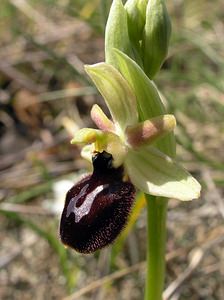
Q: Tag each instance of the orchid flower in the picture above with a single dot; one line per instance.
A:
(130, 142)
(125, 155)
(134, 148)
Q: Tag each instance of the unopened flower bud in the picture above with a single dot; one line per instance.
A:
(116, 33)
(136, 11)
(156, 37)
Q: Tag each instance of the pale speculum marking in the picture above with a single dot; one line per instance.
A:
(83, 209)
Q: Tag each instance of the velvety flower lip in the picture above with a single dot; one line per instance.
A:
(132, 143)
(97, 207)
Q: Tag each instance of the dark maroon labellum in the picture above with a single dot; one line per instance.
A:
(97, 207)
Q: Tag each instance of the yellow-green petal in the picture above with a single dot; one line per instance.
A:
(149, 131)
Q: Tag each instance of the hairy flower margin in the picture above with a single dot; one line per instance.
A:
(134, 144)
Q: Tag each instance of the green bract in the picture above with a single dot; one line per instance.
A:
(132, 143)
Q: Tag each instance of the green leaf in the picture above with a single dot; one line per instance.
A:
(157, 174)
(148, 99)
(156, 36)
(116, 32)
(116, 92)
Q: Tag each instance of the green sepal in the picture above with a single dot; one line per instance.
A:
(116, 92)
(148, 99)
(156, 37)
(157, 174)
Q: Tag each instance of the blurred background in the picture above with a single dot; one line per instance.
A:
(45, 96)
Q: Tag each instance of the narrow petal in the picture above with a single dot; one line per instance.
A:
(149, 131)
(116, 92)
(157, 174)
(101, 120)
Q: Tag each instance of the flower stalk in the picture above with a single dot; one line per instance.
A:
(156, 244)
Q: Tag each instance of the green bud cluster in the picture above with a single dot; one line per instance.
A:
(141, 29)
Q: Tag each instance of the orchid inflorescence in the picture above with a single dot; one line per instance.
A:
(134, 150)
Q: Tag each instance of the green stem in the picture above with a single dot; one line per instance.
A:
(156, 241)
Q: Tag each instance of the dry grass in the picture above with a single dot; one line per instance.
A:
(45, 95)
